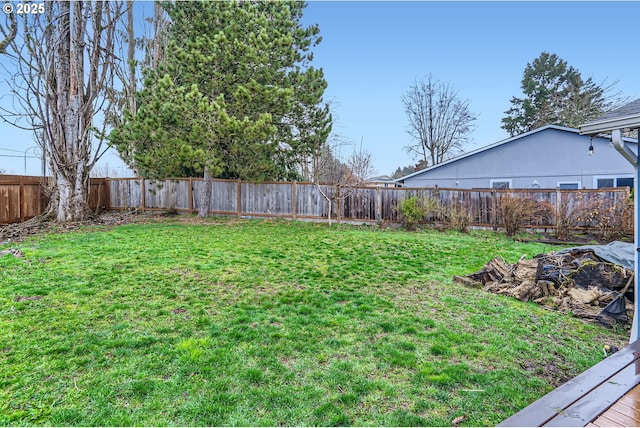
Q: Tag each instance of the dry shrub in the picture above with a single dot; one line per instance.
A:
(610, 220)
(572, 212)
(459, 216)
(518, 212)
(620, 222)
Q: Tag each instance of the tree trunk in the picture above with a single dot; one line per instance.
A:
(131, 58)
(205, 196)
(70, 139)
(68, 200)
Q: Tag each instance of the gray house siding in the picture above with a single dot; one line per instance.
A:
(546, 158)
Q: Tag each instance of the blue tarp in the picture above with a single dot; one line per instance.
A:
(620, 253)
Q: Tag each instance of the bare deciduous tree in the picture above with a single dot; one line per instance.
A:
(336, 179)
(439, 121)
(62, 86)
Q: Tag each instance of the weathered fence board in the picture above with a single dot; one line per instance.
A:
(359, 205)
(125, 193)
(310, 203)
(167, 194)
(367, 204)
(24, 197)
(270, 199)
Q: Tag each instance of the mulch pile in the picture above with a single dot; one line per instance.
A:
(576, 282)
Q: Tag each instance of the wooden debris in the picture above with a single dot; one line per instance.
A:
(13, 251)
(578, 283)
(457, 420)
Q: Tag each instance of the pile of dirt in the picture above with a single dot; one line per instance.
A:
(576, 281)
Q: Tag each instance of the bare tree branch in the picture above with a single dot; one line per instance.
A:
(9, 34)
(439, 122)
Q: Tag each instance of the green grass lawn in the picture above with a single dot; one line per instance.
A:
(234, 322)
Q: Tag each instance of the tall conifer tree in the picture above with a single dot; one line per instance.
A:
(554, 93)
(236, 96)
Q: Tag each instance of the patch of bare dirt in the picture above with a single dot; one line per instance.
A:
(27, 298)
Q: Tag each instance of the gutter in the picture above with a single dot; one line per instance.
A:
(616, 141)
(611, 124)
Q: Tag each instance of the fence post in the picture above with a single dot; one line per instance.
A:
(107, 194)
(143, 196)
(190, 195)
(558, 205)
(239, 197)
(21, 208)
(294, 202)
(378, 204)
(494, 208)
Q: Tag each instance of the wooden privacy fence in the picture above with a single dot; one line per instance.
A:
(303, 200)
(24, 197)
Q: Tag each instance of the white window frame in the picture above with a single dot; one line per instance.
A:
(605, 177)
(500, 180)
(578, 183)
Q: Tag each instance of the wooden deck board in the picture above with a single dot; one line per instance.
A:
(603, 421)
(620, 418)
(628, 411)
(584, 398)
(632, 400)
(625, 411)
(588, 407)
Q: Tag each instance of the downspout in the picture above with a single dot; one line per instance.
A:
(616, 140)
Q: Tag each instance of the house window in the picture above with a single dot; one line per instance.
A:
(612, 181)
(500, 184)
(605, 182)
(568, 185)
(624, 181)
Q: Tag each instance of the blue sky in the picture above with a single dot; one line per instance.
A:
(372, 52)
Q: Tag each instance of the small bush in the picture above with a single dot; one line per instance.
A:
(412, 212)
(419, 209)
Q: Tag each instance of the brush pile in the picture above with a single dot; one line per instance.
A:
(575, 281)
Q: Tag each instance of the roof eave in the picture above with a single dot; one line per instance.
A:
(609, 125)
